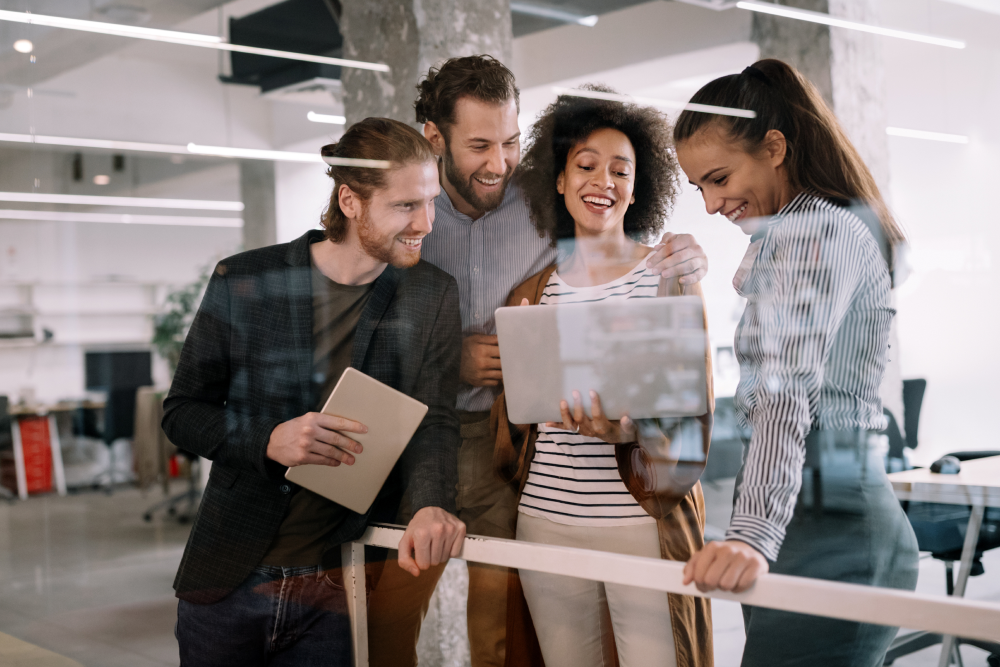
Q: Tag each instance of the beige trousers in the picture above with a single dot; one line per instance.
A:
(570, 614)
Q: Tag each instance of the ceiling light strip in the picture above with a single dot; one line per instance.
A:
(826, 19)
(326, 118)
(120, 218)
(931, 136)
(554, 14)
(649, 101)
(253, 153)
(181, 38)
(137, 202)
(75, 142)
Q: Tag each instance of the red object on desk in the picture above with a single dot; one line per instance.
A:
(37, 448)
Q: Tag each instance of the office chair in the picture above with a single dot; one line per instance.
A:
(939, 529)
(191, 496)
(6, 440)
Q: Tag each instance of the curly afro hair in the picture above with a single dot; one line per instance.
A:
(570, 120)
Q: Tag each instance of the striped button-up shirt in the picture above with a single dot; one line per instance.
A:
(488, 257)
(812, 347)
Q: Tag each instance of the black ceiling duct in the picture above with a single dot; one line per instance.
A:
(300, 26)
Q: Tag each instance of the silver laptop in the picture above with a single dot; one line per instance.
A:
(644, 357)
(391, 417)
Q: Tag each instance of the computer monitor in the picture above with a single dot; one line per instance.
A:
(111, 370)
(119, 373)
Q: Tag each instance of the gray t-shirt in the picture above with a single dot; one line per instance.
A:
(311, 518)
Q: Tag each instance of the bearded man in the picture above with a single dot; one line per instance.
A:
(260, 581)
(485, 239)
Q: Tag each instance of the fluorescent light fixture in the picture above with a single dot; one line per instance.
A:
(932, 136)
(120, 218)
(253, 153)
(552, 13)
(324, 118)
(826, 19)
(137, 202)
(75, 142)
(649, 101)
(102, 179)
(174, 37)
(24, 46)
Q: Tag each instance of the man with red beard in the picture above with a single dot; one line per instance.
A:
(485, 239)
(260, 580)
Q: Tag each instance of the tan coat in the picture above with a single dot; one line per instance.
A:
(669, 493)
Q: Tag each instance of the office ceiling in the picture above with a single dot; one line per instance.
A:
(58, 50)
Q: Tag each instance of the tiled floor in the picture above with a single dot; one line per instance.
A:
(86, 577)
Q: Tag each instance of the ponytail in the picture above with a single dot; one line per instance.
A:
(820, 158)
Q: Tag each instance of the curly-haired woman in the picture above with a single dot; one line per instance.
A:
(600, 178)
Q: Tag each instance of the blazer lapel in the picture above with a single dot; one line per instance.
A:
(298, 282)
(384, 290)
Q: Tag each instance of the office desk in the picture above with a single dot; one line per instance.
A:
(20, 411)
(977, 485)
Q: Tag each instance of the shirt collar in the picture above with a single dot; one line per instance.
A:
(443, 201)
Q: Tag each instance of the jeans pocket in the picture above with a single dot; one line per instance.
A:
(333, 578)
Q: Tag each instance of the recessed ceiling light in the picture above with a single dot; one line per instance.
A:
(24, 46)
(102, 179)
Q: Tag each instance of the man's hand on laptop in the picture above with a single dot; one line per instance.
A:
(480, 365)
(431, 538)
(314, 438)
(679, 255)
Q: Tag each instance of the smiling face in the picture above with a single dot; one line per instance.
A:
(391, 225)
(598, 181)
(746, 188)
(482, 148)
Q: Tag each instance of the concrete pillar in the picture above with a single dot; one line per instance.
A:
(410, 36)
(846, 66)
(257, 192)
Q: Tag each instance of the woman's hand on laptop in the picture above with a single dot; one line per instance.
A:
(597, 425)
(315, 438)
(431, 538)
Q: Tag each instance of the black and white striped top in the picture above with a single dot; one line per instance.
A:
(574, 479)
(812, 347)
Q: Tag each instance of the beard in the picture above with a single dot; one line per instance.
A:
(381, 246)
(466, 190)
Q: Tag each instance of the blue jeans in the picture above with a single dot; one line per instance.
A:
(278, 616)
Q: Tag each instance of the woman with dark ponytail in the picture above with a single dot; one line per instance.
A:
(812, 498)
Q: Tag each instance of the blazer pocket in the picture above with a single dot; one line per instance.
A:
(222, 476)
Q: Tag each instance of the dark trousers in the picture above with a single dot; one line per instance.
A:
(848, 526)
(278, 616)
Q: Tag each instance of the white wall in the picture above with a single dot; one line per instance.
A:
(944, 196)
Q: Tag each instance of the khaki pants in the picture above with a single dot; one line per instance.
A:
(571, 615)
(400, 601)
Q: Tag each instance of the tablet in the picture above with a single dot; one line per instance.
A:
(392, 418)
(645, 357)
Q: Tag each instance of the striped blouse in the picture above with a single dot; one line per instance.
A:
(574, 479)
(812, 348)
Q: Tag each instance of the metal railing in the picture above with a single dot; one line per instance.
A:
(850, 602)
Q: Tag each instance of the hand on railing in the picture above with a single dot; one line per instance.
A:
(431, 538)
(729, 566)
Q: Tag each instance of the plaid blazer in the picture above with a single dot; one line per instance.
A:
(245, 368)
